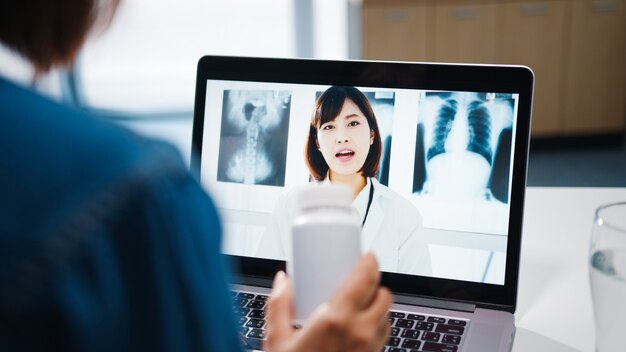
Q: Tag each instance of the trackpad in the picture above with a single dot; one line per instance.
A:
(489, 337)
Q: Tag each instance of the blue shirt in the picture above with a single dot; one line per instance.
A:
(106, 241)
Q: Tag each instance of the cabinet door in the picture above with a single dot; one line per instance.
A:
(396, 31)
(532, 33)
(465, 32)
(595, 96)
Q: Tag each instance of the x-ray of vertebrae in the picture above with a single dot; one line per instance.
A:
(466, 145)
(253, 137)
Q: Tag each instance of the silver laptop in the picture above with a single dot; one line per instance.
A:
(455, 143)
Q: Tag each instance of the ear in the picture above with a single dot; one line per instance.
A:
(372, 135)
(317, 143)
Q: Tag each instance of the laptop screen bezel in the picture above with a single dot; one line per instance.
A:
(401, 75)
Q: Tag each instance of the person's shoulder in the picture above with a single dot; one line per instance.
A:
(393, 199)
(58, 136)
(55, 159)
(387, 192)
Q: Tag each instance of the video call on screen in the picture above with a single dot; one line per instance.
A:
(449, 153)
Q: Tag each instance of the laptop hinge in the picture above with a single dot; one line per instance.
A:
(435, 303)
(251, 280)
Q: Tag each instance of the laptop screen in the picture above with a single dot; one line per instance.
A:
(444, 179)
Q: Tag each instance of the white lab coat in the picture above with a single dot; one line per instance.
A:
(392, 230)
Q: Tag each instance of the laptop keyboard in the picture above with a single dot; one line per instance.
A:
(409, 331)
(422, 332)
(249, 311)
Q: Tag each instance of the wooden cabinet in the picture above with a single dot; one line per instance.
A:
(397, 33)
(531, 33)
(464, 32)
(575, 47)
(596, 66)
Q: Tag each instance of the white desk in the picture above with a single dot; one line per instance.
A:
(554, 311)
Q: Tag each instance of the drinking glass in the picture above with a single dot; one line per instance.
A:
(608, 276)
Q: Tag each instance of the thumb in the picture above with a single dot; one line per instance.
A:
(280, 310)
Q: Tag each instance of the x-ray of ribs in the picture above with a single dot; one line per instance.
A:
(443, 125)
(479, 121)
(478, 124)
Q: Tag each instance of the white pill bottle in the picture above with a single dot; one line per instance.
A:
(326, 245)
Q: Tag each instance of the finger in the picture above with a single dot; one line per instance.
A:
(381, 335)
(379, 308)
(280, 313)
(358, 290)
(373, 321)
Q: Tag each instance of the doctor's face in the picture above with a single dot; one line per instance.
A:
(345, 141)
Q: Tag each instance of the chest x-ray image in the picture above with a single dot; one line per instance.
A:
(464, 145)
(253, 137)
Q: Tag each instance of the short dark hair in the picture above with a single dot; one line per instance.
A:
(327, 107)
(51, 32)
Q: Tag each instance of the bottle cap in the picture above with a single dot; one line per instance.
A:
(323, 195)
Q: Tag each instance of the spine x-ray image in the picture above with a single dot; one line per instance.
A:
(463, 145)
(253, 138)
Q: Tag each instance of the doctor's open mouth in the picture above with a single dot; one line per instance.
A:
(345, 154)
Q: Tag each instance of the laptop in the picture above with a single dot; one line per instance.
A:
(455, 141)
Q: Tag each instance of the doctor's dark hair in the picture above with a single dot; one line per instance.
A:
(327, 107)
(51, 32)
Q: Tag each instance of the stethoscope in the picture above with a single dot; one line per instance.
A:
(369, 203)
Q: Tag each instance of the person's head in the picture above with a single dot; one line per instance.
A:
(343, 135)
(50, 33)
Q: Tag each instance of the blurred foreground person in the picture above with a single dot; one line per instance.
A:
(106, 241)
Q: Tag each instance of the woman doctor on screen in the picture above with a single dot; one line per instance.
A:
(344, 146)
